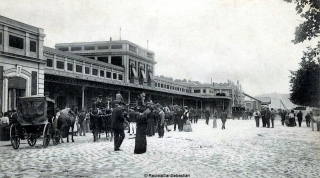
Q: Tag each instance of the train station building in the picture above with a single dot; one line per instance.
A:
(74, 73)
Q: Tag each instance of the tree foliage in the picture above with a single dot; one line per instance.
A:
(304, 82)
(309, 10)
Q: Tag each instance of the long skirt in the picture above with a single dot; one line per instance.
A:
(187, 127)
(140, 140)
(214, 122)
(150, 127)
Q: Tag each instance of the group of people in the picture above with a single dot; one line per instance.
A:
(266, 116)
(288, 118)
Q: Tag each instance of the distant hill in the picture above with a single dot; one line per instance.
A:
(275, 100)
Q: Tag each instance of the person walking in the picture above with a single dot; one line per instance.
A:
(132, 118)
(118, 126)
(273, 116)
(179, 118)
(141, 139)
(263, 117)
(292, 120)
(224, 117)
(151, 117)
(207, 115)
(161, 121)
(87, 121)
(82, 123)
(267, 117)
(308, 119)
(256, 115)
(299, 116)
(215, 116)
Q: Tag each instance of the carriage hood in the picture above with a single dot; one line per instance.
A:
(32, 110)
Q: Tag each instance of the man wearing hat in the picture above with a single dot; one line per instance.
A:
(119, 97)
(118, 126)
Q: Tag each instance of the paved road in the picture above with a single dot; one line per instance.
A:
(241, 150)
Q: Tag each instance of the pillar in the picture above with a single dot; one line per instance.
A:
(82, 103)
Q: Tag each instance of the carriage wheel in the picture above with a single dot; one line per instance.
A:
(56, 137)
(32, 140)
(14, 136)
(47, 135)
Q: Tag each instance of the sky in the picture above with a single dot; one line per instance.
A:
(220, 40)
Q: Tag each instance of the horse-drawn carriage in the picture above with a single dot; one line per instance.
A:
(238, 112)
(34, 119)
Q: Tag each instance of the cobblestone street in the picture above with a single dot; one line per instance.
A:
(241, 150)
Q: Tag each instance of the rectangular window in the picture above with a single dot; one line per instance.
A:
(108, 74)
(161, 85)
(149, 55)
(120, 76)
(116, 46)
(16, 42)
(89, 48)
(70, 66)
(103, 47)
(114, 76)
(155, 84)
(79, 68)
(196, 91)
(91, 57)
(116, 60)
(76, 48)
(103, 59)
(101, 73)
(60, 65)
(204, 90)
(133, 49)
(167, 86)
(95, 72)
(0, 38)
(49, 62)
(33, 46)
(63, 49)
(87, 70)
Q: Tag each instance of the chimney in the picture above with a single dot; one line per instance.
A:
(110, 38)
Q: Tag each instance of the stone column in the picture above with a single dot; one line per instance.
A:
(82, 103)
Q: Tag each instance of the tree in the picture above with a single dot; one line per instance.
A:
(304, 82)
(309, 10)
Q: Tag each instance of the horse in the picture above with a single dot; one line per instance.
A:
(107, 122)
(66, 120)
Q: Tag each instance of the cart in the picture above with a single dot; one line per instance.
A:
(34, 118)
(238, 112)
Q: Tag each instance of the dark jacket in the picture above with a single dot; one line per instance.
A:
(117, 119)
(206, 113)
(224, 116)
(267, 114)
(132, 116)
(299, 115)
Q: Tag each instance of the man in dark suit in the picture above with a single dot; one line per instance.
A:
(224, 117)
(117, 126)
(207, 115)
(300, 116)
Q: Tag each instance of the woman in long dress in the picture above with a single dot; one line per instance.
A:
(141, 139)
(187, 126)
(151, 122)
